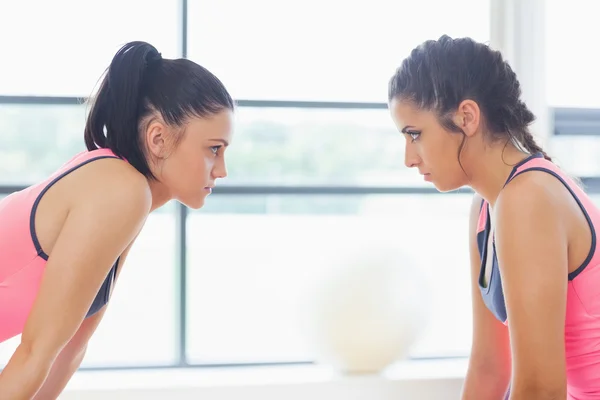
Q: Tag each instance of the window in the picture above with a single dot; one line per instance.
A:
(251, 268)
(65, 45)
(571, 31)
(37, 139)
(140, 325)
(312, 50)
(251, 259)
(7, 349)
(281, 146)
(578, 155)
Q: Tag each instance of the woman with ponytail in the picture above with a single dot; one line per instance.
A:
(157, 131)
(535, 262)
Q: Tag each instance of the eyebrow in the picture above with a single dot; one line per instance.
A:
(406, 128)
(225, 142)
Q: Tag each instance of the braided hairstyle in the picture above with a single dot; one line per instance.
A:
(439, 74)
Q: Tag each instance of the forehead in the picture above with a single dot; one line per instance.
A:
(217, 126)
(405, 113)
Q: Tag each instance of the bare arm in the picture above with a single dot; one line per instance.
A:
(104, 218)
(69, 359)
(71, 356)
(488, 373)
(532, 242)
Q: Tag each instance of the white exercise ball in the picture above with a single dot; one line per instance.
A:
(369, 312)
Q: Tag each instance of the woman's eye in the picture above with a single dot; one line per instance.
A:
(215, 149)
(414, 135)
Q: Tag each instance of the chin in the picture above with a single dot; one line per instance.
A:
(444, 187)
(194, 203)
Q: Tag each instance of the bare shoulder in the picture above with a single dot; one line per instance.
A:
(532, 250)
(531, 194)
(109, 203)
(109, 181)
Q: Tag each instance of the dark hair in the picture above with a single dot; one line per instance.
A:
(439, 74)
(139, 83)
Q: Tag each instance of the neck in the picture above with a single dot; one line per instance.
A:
(493, 169)
(160, 194)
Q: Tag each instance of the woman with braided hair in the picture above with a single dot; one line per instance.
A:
(156, 132)
(533, 230)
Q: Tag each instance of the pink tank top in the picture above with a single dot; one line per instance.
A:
(22, 260)
(582, 324)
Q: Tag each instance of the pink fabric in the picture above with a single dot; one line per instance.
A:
(21, 265)
(582, 324)
(482, 217)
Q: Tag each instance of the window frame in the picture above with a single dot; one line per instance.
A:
(567, 121)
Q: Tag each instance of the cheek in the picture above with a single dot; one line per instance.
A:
(433, 148)
(455, 157)
(440, 151)
(189, 169)
(201, 165)
(451, 146)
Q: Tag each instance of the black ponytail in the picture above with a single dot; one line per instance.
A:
(118, 105)
(139, 82)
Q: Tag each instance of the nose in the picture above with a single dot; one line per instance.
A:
(411, 158)
(219, 170)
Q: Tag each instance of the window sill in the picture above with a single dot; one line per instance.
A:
(428, 379)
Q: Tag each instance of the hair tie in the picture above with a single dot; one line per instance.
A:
(153, 58)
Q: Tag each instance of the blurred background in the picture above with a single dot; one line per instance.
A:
(315, 166)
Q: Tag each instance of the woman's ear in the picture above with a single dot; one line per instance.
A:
(468, 117)
(155, 137)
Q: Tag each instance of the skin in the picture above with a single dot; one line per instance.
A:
(84, 223)
(541, 235)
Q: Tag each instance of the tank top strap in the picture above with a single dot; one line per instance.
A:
(534, 161)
